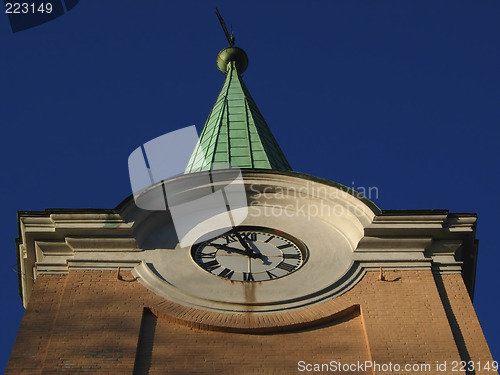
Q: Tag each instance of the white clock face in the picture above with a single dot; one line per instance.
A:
(250, 254)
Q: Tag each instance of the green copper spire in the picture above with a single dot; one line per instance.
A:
(235, 132)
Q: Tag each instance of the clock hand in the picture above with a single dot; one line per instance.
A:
(250, 252)
(265, 259)
(232, 249)
(229, 248)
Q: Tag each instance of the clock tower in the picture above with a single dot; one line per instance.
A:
(312, 277)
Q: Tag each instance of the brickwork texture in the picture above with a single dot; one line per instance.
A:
(93, 322)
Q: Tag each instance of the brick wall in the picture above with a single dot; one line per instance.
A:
(89, 321)
(463, 320)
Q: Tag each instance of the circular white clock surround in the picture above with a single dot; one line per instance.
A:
(326, 218)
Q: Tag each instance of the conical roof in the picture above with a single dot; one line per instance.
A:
(235, 132)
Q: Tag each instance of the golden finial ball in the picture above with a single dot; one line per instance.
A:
(229, 54)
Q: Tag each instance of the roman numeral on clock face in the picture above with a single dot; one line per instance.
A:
(208, 255)
(249, 236)
(229, 238)
(291, 256)
(269, 239)
(271, 275)
(248, 276)
(227, 273)
(285, 266)
(210, 266)
(285, 246)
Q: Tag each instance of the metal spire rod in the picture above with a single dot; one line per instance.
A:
(230, 38)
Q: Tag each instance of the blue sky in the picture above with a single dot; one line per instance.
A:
(398, 95)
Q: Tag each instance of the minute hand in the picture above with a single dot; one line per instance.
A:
(249, 251)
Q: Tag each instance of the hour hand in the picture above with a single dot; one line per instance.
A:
(264, 258)
(249, 251)
(229, 249)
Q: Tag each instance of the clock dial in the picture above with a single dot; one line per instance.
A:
(250, 254)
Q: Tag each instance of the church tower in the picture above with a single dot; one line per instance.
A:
(295, 274)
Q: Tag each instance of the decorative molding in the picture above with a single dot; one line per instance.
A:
(150, 279)
(258, 324)
(56, 241)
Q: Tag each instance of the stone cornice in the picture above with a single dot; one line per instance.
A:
(48, 241)
(59, 241)
(443, 241)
